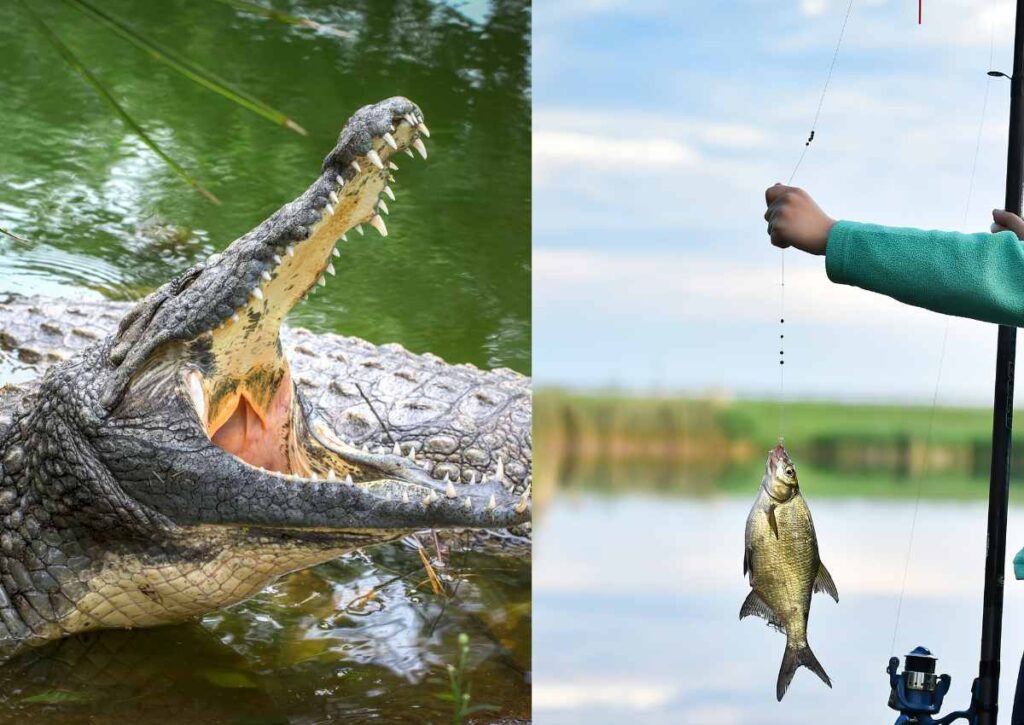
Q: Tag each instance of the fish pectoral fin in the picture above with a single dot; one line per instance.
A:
(772, 521)
(754, 605)
(823, 583)
(746, 560)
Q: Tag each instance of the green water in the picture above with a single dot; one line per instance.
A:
(106, 218)
(307, 650)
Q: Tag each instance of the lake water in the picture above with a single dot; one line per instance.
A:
(309, 649)
(638, 597)
(104, 217)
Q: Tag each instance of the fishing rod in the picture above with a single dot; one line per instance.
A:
(917, 692)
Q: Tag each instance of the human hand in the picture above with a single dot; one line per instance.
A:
(795, 220)
(1005, 220)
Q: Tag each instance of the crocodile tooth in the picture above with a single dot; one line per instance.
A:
(257, 293)
(235, 317)
(365, 448)
(472, 477)
(410, 118)
(492, 504)
(313, 476)
(423, 129)
(397, 450)
(321, 281)
(427, 499)
(290, 249)
(408, 152)
(405, 497)
(265, 275)
(420, 148)
(449, 490)
(388, 193)
(359, 228)
(331, 475)
(374, 159)
(330, 267)
(499, 471)
(329, 209)
(377, 223)
(383, 206)
(333, 197)
(412, 455)
(523, 501)
(390, 141)
(468, 504)
(433, 497)
(344, 237)
(391, 165)
(277, 259)
(355, 165)
(349, 481)
(341, 181)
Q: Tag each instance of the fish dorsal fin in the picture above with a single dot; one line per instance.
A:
(754, 605)
(823, 583)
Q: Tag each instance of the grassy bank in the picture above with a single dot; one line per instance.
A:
(615, 442)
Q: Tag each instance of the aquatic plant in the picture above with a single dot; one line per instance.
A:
(458, 693)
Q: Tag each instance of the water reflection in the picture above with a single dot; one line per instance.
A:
(639, 598)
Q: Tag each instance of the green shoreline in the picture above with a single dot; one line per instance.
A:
(613, 442)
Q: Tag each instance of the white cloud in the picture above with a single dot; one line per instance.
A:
(585, 150)
(813, 7)
(617, 692)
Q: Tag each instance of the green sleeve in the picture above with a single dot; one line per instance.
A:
(980, 276)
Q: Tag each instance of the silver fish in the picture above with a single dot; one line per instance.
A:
(781, 559)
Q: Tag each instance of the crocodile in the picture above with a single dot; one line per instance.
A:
(177, 455)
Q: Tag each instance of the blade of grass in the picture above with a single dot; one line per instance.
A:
(101, 90)
(194, 72)
(14, 236)
(255, 9)
(435, 583)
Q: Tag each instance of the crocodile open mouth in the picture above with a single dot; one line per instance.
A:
(245, 397)
(238, 379)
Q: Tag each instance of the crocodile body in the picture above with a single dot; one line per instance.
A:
(174, 456)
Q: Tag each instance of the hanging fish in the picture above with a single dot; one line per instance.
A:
(781, 559)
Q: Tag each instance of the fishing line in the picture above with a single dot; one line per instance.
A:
(942, 357)
(782, 256)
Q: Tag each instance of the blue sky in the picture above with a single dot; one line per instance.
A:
(657, 126)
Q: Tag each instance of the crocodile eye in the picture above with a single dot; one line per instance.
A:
(789, 471)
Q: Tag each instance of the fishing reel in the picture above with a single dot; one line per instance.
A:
(917, 693)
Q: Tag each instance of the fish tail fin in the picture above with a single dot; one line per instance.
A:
(791, 660)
